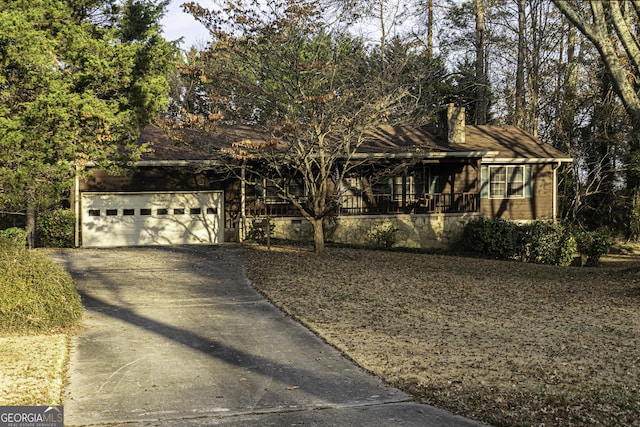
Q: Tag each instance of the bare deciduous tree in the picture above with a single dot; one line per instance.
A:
(612, 28)
(316, 94)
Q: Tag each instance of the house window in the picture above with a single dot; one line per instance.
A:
(506, 182)
(145, 212)
(382, 187)
(273, 190)
(195, 211)
(178, 211)
(112, 212)
(269, 192)
(351, 185)
(403, 186)
(415, 184)
(128, 212)
(296, 189)
(162, 211)
(94, 212)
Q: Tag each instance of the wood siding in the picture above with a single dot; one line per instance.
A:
(154, 179)
(455, 178)
(539, 206)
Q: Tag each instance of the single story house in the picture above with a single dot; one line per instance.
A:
(436, 179)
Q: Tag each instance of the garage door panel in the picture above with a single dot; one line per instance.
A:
(142, 219)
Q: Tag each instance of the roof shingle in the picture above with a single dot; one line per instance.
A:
(504, 142)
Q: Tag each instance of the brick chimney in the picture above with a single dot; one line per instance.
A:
(451, 124)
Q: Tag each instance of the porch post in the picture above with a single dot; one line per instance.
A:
(76, 208)
(243, 214)
(478, 185)
(404, 190)
(554, 202)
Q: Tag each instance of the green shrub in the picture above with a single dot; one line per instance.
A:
(14, 235)
(36, 294)
(593, 244)
(546, 242)
(383, 234)
(491, 238)
(542, 242)
(57, 228)
(258, 230)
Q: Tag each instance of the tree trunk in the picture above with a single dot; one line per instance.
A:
(520, 88)
(566, 115)
(633, 182)
(383, 35)
(31, 227)
(430, 94)
(318, 235)
(481, 77)
(534, 76)
(570, 79)
(430, 30)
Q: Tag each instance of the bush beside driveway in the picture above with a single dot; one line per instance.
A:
(39, 308)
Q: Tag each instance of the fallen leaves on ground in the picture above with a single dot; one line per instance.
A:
(506, 343)
(33, 368)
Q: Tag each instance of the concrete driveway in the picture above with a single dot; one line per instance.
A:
(177, 337)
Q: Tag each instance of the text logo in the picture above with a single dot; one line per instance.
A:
(31, 416)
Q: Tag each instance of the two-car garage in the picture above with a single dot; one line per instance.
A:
(110, 219)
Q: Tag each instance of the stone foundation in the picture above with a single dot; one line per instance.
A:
(410, 231)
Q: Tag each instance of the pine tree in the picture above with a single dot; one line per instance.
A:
(72, 91)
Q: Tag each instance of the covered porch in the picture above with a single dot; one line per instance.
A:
(377, 204)
(388, 188)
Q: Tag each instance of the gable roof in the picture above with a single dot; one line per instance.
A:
(493, 144)
(193, 144)
(513, 143)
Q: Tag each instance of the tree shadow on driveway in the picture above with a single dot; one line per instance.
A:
(209, 345)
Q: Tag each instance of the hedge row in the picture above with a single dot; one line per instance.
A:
(57, 228)
(36, 294)
(542, 242)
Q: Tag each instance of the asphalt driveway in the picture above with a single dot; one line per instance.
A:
(176, 336)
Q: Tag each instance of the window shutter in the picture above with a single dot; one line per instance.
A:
(484, 182)
(528, 182)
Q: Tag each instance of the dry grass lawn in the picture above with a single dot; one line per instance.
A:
(32, 369)
(502, 342)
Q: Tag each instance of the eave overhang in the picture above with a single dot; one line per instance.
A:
(179, 163)
(168, 163)
(487, 157)
(427, 155)
(527, 160)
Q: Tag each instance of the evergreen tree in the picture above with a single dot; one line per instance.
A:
(71, 92)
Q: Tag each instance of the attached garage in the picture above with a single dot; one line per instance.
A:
(110, 219)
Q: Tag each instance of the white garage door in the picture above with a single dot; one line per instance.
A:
(144, 219)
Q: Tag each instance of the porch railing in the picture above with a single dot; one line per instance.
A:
(380, 204)
(417, 204)
(270, 208)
